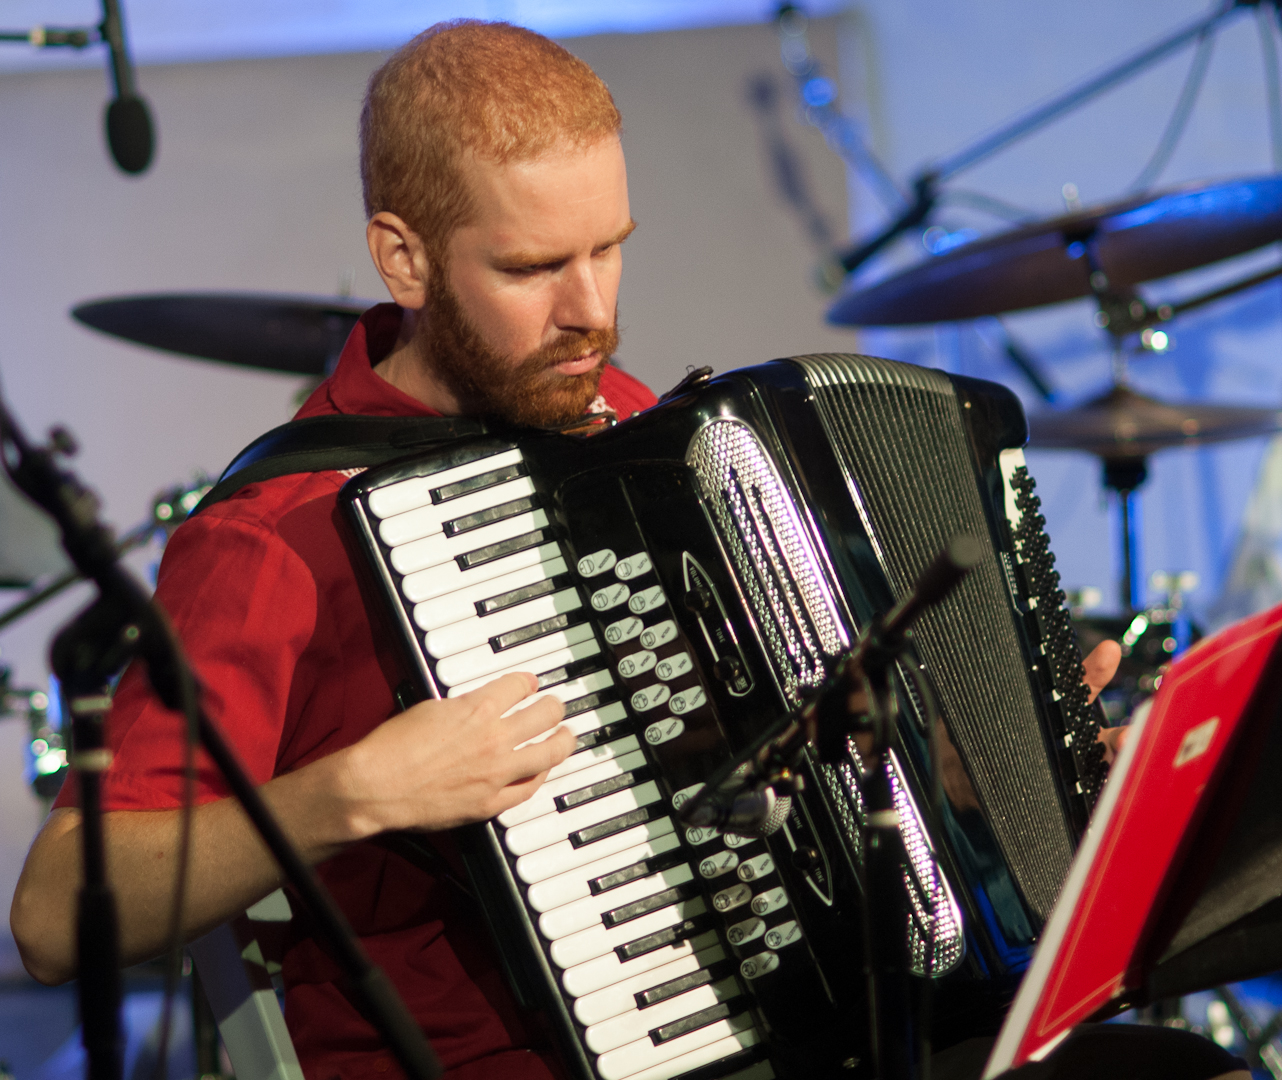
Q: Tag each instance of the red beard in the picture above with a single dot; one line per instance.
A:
(529, 392)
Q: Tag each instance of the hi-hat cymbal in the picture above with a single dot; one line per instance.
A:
(1125, 424)
(1139, 239)
(302, 335)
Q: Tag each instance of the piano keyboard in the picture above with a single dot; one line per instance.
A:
(658, 934)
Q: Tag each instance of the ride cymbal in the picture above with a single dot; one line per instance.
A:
(1135, 240)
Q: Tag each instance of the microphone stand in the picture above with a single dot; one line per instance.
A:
(121, 624)
(825, 722)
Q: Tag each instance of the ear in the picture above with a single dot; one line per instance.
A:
(400, 258)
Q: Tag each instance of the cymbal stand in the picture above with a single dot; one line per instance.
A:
(1124, 475)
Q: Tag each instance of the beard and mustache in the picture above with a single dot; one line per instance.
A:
(529, 392)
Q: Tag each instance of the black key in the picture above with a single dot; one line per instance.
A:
(655, 863)
(520, 596)
(721, 1011)
(647, 904)
(490, 515)
(570, 671)
(604, 734)
(590, 701)
(614, 825)
(722, 969)
(476, 483)
(539, 629)
(670, 935)
(592, 792)
(472, 559)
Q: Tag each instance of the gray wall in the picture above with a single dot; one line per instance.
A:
(256, 187)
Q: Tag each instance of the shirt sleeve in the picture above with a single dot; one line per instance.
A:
(244, 606)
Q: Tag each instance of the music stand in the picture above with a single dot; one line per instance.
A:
(1177, 873)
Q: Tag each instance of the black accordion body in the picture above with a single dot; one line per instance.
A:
(680, 582)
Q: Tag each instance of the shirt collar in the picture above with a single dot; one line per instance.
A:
(355, 387)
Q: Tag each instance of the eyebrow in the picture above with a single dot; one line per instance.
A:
(514, 259)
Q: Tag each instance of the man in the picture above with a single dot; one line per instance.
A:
(497, 201)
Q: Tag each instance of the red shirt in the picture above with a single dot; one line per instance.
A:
(263, 595)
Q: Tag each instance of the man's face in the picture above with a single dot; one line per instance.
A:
(522, 317)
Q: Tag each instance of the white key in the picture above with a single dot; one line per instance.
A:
(674, 666)
(663, 731)
(688, 700)
(596, 563)
(553, 828)
(430, 519)
(638, 663)
(592, 755)
(562, 858)
(573, 885)
(407, 494)
(434, 550)
(708, 1054)
(623, 630)
(585, 913)
(580, 650)
(541, 802)
(633, 566)
(455, 638)
(585, 722)
(642, 1060)
(646, 600)
(659, 634)
(651, 697)
(629, 1027)
(617, 999)
(609, 597)
(461, 603)
(757, 867)
(609, 970)
(446, 578)
(483, 660)
(598, 940)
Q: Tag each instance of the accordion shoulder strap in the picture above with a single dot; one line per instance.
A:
(341, 441)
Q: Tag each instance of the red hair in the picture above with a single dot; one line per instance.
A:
(492, 89)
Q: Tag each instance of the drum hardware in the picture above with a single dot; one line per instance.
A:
(1122, 428)
(46, 757)
(169, 510)
(299, 335)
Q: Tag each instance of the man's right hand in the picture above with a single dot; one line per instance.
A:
(447, 763)
(437, 765)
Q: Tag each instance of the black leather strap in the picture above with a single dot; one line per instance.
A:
(341, 441)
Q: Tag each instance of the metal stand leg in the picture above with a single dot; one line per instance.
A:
(1124, 476)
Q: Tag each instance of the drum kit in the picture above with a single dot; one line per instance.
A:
(291, 334)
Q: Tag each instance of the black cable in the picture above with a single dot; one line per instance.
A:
(1180, 115)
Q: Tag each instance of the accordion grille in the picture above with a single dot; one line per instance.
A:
(897, 430)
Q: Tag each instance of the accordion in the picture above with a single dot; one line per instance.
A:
(680, 581)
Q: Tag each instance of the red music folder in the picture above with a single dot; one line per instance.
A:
(1167, 809)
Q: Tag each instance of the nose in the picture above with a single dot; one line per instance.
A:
(585, 300)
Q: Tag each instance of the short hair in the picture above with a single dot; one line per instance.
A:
(499, 91)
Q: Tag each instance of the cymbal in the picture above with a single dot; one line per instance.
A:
(29, 544)
(1126, 424)
(302, 335)
(1135, 240)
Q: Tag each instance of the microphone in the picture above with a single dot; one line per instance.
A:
(128, 121)
(750, 811)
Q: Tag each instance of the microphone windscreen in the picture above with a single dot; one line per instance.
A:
(129, 133)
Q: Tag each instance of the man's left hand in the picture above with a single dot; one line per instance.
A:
(1101, 666)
